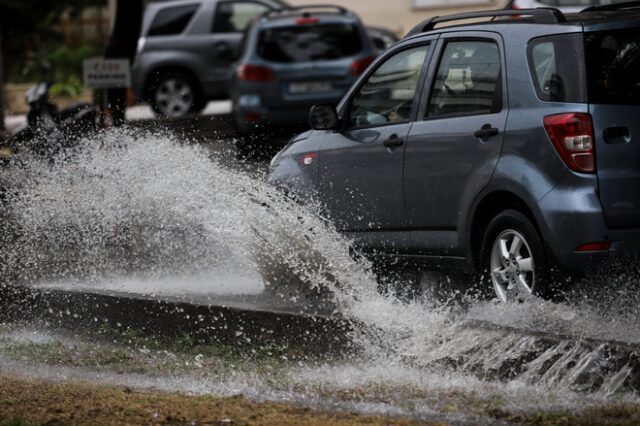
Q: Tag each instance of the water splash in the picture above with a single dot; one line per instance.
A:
(133, 203)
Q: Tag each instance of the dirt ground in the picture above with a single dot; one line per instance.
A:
(37, 402)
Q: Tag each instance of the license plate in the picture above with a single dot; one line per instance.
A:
(310, 87)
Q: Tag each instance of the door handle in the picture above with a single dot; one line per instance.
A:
(393, 142)
(486, 131)
(617, 135)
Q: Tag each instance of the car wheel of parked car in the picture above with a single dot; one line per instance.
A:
(175, 94)
(513, 255)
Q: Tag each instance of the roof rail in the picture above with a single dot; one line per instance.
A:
(613, 6)
(542, 15)
(293, 10)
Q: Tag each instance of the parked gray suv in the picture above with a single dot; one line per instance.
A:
(186, 50)
(507, 146)
(295, 58)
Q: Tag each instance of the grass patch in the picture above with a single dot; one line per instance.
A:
(26, 402)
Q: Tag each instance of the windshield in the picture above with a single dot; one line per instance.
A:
(309, 43)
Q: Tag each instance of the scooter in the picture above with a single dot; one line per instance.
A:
(48, 130)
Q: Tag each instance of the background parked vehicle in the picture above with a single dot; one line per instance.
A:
(382, 38)
(295, 58)
(186, 49)
(566, 6)
(48, 129)
(455, 147)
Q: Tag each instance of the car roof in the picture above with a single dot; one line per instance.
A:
(322, 14)
(586, 18)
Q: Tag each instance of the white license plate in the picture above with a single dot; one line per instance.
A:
(310, 87)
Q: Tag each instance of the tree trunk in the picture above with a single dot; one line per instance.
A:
(122, 44)
(2, 125)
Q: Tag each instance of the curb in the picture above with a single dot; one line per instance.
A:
(208, 323)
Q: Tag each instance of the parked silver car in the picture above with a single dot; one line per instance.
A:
(187, 48)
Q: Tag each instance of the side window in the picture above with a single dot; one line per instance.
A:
(555, 71)
(172, 20)
(387, 95)
(468, 81)
(543, 56)
(235, 16)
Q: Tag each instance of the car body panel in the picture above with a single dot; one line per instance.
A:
(446, 174)
(197, 50)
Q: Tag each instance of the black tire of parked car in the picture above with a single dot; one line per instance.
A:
(158, 78)
(514, 220)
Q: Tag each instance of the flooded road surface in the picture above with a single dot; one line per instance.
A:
(147, 212)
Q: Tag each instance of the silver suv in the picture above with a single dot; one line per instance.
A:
(509, 146)
(187, 48)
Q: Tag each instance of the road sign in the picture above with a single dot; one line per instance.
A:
(101, 73)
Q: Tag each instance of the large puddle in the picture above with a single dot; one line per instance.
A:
(148, 213)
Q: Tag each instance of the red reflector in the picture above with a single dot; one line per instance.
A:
(251, 117)
(307, 159)
(603, 246)
(307, 21)
(250, 72)
(358, 67)
(572, 136)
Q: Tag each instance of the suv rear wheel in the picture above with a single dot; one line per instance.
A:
(174, 94)
(513, 255)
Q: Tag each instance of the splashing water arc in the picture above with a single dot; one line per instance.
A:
(147, 204)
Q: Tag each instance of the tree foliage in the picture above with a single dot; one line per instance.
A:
(29, 25)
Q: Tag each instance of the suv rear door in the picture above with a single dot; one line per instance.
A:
(453, 147)
(613, 86)
(218, 36)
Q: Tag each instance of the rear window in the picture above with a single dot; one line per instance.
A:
(613, 66)
(309, 43)
(172, 20)
(557, 68)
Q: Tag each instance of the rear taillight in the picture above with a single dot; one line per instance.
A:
(248, 72)
(358, 67)
(307, 21)
(572, 136)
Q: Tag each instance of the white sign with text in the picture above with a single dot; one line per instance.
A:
(100, 73)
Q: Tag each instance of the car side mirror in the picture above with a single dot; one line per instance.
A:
(323, 117)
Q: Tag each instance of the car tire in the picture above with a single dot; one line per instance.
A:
(174, 94)
(513, 262)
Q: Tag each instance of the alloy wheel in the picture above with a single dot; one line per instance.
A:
(512, 267)
(174, 97)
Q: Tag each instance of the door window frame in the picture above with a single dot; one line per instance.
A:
(436, 59)
(344, 109)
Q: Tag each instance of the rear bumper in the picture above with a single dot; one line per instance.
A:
(573, 217)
